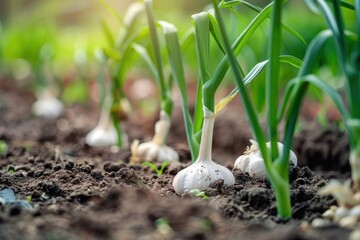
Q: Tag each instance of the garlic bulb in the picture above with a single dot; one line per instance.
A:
(252, 161)
(341, 192)
(104, 134)
(204, 171)
(156, 150)
(347, 214)
(47, 106)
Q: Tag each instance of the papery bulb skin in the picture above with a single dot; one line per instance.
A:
(152, 152)
(252, 161)
(105, 134)
(200, 175)
(256, 167)
(203, 171)
(47, 106)
(156, 150)
(101, 137)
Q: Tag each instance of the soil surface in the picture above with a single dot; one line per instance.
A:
(81, 192)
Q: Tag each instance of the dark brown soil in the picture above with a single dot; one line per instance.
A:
(79, 192)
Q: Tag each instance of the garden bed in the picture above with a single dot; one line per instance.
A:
(80, 192)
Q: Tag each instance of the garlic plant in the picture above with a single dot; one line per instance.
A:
(276, 164)
(116, 59)
(47, 105)
(156, 150)
(204, 170)
(105, 134)
(199, 130)
(347, 56)
(252, 161)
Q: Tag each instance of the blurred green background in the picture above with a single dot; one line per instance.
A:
(53, 42)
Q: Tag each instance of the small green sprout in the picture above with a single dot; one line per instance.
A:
(3, 147)
(159, 171)
(199, 193)
(162, 226)
(11, 169)
(28, 198)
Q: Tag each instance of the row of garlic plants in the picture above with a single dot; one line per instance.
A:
(272, 156)
(267, 156)
(199, 129)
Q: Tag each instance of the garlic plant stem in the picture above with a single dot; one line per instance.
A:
(355, 167)
(105, 120)
(206, 138)
(162, 128)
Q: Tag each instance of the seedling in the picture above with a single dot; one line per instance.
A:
(156, 149)
(198, 193)
(115, 58)
(28, 198)
(276, 164)
(3, 147)
(163, 226)
(159, 171)
(348, 60)
(11, 169)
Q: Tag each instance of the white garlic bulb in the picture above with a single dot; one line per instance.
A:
(204, 171)
(156, 150)
(104, 134)
(47, 106)
(252, 161)
(200, 175)
(347, 214)
(341, 192)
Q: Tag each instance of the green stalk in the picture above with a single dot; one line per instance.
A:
(253, 119)
(202, 40)
(177, 69)
(166, 101)
(198, 112)
(311, 58)
(280, 176)
(272, 77)
(354, 82)
(237, 46)
(118, 129)
(281, 185)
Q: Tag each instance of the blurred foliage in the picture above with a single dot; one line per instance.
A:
(54, 42)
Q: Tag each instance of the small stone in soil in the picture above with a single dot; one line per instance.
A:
(22, 168)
